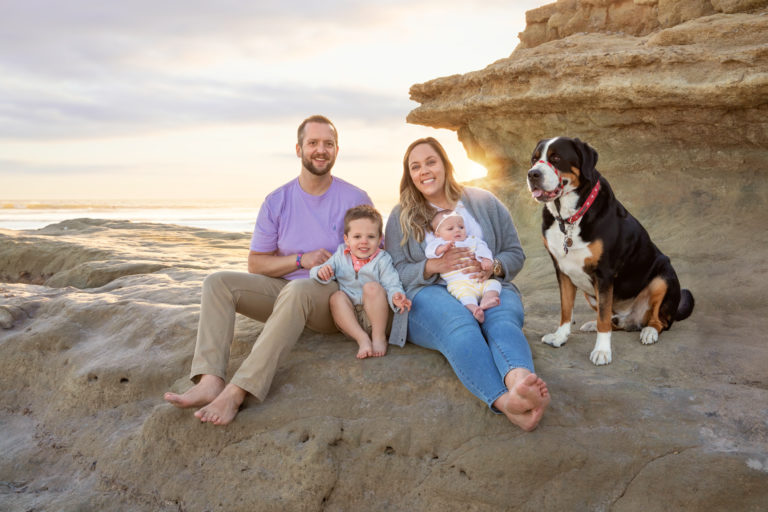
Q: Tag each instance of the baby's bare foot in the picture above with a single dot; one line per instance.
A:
(202, 393)
(489, 301)
(224, 407)
(478, 313)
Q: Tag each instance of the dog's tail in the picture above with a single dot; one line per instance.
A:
(685, 308)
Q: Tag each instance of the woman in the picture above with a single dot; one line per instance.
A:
(492, 359)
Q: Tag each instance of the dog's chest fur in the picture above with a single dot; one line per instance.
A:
(572, 263)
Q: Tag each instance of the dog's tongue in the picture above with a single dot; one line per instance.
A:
(537, 192)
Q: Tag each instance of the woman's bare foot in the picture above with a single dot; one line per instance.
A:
(365, 350)
(202, 393)
(223, 409)
(489, 300)
(526, 400)
(477, 313)
(379, 347)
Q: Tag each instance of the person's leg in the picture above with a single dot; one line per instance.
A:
(528, 394)
(490, 289)
(465, 292)
(343, 312)
(439, 322)
(377, 308)
(503, 330)
(443, 324)
(301, 302)
(223, 295)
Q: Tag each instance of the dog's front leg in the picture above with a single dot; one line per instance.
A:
(567, 297)
(601, 354)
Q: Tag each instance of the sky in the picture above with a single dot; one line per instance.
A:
(200, 100)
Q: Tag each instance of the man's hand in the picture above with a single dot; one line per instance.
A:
(325, 273)
(401, 302)
(272, 265)
(314, 258)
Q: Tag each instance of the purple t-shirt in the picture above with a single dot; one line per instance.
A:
(291, 221)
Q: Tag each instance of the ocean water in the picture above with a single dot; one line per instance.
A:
(23, 215)
(232, 217)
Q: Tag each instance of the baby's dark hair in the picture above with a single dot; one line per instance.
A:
(438, 216)
(364, 211)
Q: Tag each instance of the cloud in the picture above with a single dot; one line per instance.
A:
(87, 68)
(160, 103)
(10, 168)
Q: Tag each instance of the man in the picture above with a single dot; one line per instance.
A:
(299, 226)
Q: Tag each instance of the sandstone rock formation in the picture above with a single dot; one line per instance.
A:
(656, 86)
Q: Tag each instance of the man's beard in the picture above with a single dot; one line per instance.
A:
(308, 165)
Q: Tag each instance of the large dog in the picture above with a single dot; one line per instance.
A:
(599, 248)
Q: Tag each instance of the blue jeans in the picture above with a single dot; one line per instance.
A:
(481, 354)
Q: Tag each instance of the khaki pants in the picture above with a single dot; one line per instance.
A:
(285, 307)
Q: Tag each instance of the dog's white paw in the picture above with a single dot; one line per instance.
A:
(601, 354)
(559, 337)
(590, 326)
(649, 335)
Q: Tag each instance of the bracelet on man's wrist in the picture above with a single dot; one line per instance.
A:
(298, 260)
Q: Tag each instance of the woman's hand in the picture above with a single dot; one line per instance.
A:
(455, 258)
(486, 270)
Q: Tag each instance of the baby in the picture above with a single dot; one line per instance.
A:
(449, 230)
(368, 283)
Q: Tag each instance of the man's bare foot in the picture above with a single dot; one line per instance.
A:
(379, 347)
(202, 393)
(489, 300)
(477, 313)
(223, 409)
(365, 350)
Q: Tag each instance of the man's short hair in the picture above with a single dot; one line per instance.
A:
(316, 119)
(364, 211)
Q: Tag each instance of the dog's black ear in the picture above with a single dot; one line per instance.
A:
(588, 157)
(537, 146)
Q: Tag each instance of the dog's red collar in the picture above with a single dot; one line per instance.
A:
(591, 199)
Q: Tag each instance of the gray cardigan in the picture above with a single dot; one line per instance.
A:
(499, 234)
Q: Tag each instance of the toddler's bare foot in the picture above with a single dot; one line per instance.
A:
(365, 350)
(202, 393)
(379, 348)
(224, 407)
(488, 302)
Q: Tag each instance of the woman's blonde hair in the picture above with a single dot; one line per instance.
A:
(416, 210)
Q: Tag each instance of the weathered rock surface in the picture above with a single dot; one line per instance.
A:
(676, 426)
